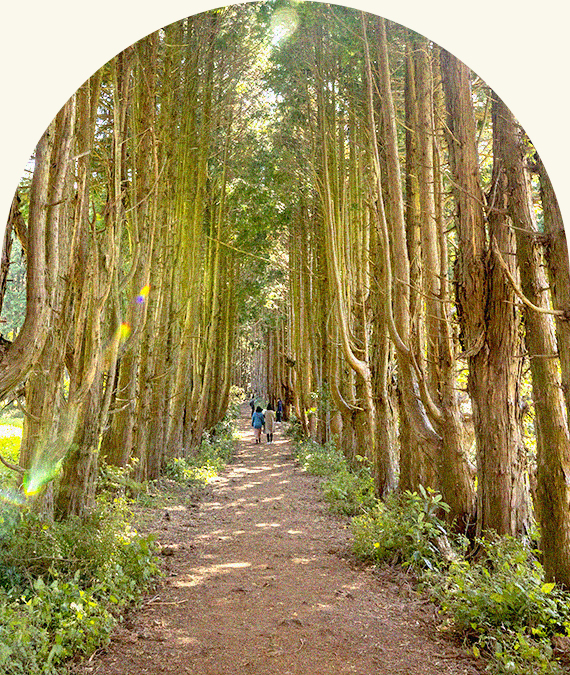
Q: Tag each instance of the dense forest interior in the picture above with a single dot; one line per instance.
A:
(310, 204)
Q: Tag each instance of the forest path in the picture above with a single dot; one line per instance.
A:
(261, 582)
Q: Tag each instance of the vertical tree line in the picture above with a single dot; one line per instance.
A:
(126, 348)
(345, 218)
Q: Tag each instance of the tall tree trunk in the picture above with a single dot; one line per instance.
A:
(391, 232)
(26, 349)
(90, 287)
(194, 171)
(380, 365)
(556, 254)
(454, 471)
(44, 439)
(553, 438)
(488, 325)
(352, 334)
(119, 441)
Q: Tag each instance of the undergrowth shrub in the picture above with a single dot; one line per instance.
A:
(214, 453)
(117, 481)
(237, 396)
(407, 529)
(502, 604)
(497, 601)
(63, 585)
(350, 492)
(294, 431)
(320, 460)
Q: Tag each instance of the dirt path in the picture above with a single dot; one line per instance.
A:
(261, 582)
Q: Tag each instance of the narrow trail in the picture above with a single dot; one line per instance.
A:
(261, 581)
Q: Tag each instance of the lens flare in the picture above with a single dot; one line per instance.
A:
(39, 475)
(52, 447)
(124, 331)
(142, 296)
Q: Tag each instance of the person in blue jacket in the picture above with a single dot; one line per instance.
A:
(257, 422)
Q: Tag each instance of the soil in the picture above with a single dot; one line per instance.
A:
(260, 580)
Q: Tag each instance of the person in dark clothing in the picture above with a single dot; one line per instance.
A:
(252, 404)
(279, 411)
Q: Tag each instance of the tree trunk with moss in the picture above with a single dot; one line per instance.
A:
(92, 279)
(41, 450)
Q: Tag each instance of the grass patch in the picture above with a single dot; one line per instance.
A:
(320, 460)
(214, 453)
(347, 491)
(10, 440)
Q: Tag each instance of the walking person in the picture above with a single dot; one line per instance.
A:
(279, 409)
(269, 423)
(257, 422)
(252, 404)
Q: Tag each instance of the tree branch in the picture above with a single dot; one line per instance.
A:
(13, 467)
(518, 291)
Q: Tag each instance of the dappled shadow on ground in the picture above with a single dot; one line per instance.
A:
(260, 580)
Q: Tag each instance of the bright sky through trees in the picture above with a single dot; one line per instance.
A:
(283, 23)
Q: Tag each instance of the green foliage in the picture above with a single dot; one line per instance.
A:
(350, 492)
(117, 481)
(294, 431)
(406, 529)
(319, 460)
(215, 451)
(505, 589)
(237, 395)
(14, 305)
(63, 585)
(503, 605)
(498, 600)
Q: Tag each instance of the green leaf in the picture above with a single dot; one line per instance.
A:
(476, 652)
(547, 588)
